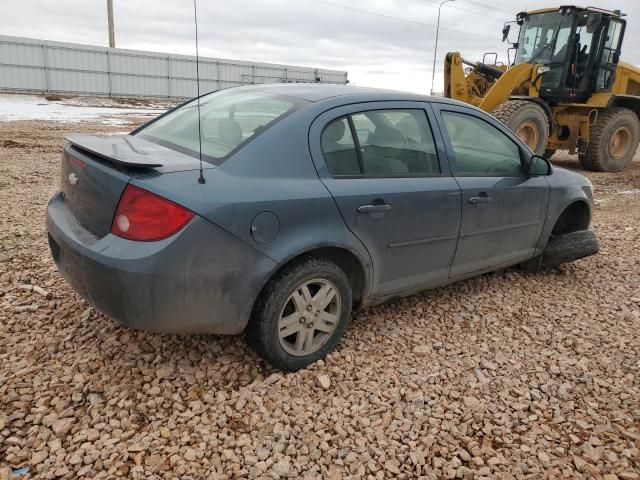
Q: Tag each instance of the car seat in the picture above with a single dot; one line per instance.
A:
(341, 158)
(386, 146)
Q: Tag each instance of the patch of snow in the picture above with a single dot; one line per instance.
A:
(115, 121)
(32, 107)
(633, 191)
(82, 101)
(108, 134)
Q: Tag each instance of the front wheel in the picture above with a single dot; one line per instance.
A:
(527, 120)
(564, 248)
(301, 314)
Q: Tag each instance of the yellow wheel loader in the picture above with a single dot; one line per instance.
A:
(565, 89)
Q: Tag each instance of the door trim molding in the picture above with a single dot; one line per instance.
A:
(422, 241)
(499, 229)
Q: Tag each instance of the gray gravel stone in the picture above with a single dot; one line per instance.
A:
(507, 375)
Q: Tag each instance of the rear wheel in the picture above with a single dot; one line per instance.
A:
(527, 120)
(301, 314)
(613, 141)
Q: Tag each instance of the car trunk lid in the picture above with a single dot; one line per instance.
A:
(95, 171)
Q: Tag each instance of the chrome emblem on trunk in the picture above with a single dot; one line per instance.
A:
(73, 178)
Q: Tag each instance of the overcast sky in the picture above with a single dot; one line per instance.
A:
(375, 49)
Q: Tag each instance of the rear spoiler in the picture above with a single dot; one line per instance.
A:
(121, 149)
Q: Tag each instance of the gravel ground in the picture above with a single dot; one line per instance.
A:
(507, 375)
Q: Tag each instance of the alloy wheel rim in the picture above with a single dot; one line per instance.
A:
(528, 133)
(619, 143)
(309, 317)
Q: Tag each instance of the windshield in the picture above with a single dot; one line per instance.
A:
(229, 118)
(544, 38)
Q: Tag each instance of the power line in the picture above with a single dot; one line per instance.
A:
(422, 24)
(502, 19)
(484, 5)
(400, 19)
(377, 14)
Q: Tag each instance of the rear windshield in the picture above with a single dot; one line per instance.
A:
(228, 119)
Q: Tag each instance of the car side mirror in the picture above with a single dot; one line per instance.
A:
(539, 166)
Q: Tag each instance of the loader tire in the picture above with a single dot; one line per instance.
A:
(527, 120)
(613, 141)
(562, 249)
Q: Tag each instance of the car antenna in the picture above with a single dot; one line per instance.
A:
(195, 17)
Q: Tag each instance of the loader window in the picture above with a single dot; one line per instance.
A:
(580, 54)
(610, 52)
(480, 149)
(537, 37)
(562, 45)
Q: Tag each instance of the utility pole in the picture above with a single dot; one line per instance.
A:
(112, 35)
(435, 50)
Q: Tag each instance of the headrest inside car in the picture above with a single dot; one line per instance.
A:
(335, 131)
(230, 132)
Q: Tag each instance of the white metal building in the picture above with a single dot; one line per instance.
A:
(42, 66)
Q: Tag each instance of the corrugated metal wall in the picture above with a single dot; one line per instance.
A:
(32, 65)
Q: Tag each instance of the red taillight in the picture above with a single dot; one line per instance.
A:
(145, 217)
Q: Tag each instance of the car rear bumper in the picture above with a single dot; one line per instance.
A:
(200, 280)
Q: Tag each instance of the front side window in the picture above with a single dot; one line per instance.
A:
(228, 118)
(387, 143)
(480, 148)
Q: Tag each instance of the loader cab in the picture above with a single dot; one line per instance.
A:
(577, 50)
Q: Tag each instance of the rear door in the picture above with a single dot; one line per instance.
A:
(503, 209)
(385, 166)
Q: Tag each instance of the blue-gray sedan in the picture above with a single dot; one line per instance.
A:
(311, 200)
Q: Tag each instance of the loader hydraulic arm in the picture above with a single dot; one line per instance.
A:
(487, 86)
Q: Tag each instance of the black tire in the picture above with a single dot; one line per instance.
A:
(599, 156)
(549, 152)
(562, 249)
(262, 330)
(515, 114)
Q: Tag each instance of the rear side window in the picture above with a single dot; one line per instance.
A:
(387, 143)
(339, 148)
(228, 119)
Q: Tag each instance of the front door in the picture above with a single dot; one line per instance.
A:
(503, 210)
(382, 164)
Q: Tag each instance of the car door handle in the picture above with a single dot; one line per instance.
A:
(482, 199)
(374, 208)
